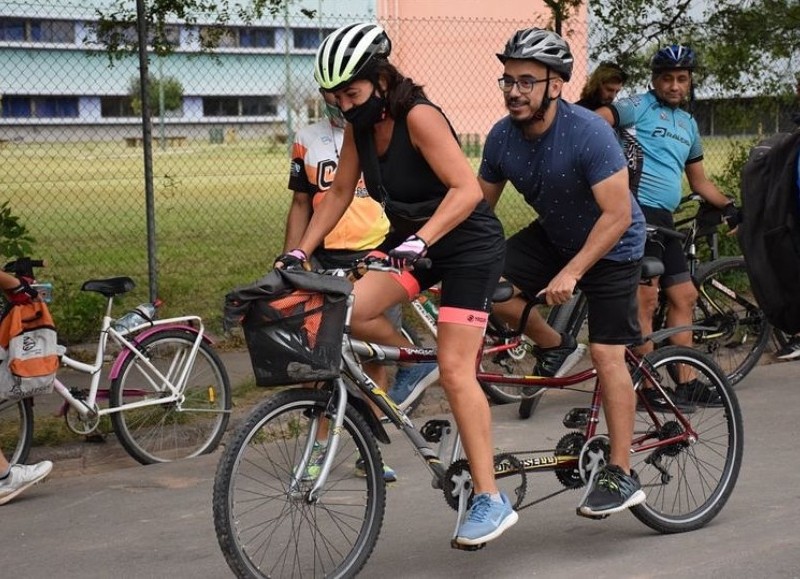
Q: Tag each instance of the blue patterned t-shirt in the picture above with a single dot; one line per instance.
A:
(555, 173)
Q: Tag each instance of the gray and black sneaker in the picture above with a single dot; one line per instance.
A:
(612, 491)
(559, 360)
(697, 392)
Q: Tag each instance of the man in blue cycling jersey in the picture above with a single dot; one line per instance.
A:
(589, 234)
(670, 143)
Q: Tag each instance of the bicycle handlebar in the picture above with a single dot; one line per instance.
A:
(23, 266)
(665, 231)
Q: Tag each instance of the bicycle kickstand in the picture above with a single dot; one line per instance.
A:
(463, 500)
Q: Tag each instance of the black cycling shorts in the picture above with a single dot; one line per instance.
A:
(610, 286)
(668, 250)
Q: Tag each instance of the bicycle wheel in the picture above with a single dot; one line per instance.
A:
(740, 331)
(687, 483)
(16, 429)
(265, 524)
(171, 431)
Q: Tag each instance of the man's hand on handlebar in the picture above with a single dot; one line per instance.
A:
(732, 215)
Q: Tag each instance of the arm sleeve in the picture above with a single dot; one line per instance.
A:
(298, 178)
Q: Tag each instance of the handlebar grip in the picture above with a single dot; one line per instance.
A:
(423, 263)
(665, 231)
(23, 266)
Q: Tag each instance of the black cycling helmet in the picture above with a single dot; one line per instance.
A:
(345, 53)
(543, 46)
(674, 57)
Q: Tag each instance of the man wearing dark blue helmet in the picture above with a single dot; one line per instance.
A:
(670, 143)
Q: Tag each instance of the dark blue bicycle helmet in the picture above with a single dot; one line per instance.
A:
(674, 57)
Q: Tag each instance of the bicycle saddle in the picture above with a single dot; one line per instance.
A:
(109, 287)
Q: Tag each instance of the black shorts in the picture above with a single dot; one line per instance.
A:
(666, 249)
(468, 261)
(610, 286)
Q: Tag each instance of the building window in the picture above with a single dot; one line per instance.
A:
(52, 31)
(40, 107)
(242, 37)
(256, 38)
(116, 106)
(309, 38)
(240, 106)
(129, 35)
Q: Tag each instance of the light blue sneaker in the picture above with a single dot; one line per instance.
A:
(486, 520)
(407, 377)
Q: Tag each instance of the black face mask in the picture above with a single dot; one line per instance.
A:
(367, 113)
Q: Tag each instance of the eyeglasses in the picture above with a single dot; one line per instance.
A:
(524, 85)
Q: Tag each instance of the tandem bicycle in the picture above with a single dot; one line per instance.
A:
(272, 520)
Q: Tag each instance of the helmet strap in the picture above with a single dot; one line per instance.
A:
(546, 100)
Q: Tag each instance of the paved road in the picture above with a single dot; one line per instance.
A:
(155, 521)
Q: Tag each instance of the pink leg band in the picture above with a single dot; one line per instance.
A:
(475, 318)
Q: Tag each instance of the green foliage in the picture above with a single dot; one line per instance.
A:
(173, 94)
(76, 314)
(15, 241)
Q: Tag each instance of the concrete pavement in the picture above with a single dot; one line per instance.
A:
(155, 521)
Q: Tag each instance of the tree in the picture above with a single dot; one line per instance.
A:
(753, 44)
(116, 27)
(173, 94)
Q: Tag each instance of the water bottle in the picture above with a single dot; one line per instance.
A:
(141, 314)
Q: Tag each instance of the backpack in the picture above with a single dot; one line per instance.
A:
(28, 351)
(770, 230)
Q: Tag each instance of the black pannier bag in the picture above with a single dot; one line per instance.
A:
(293, 323)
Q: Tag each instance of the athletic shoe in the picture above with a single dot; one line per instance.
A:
(314, 466)
(559, 360)
(612, 491)
(658, 402)
(486, 520)
(22, 476)
(791, 351)
(388, 472)
(697, 392)
(407, 378)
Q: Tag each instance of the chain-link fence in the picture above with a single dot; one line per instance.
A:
(71, 156)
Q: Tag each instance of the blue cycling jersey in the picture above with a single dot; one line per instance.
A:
(669, 139)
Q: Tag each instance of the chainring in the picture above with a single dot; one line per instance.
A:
(458, 475)
(81, 425)
(570, 445)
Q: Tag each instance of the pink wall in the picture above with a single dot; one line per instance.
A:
(449, 47)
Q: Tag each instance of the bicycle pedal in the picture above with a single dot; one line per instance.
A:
(585, 516)
(577, 418)
(458, 546)
(433, 430)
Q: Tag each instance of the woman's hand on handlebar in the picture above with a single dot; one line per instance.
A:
(294, 259)
(408, 253)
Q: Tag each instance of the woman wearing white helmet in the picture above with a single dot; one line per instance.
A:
(413, 165)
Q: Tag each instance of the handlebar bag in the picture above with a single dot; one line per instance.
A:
(293, 323)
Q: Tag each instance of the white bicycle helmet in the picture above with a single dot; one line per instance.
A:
(544, 46)
(345, 53)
